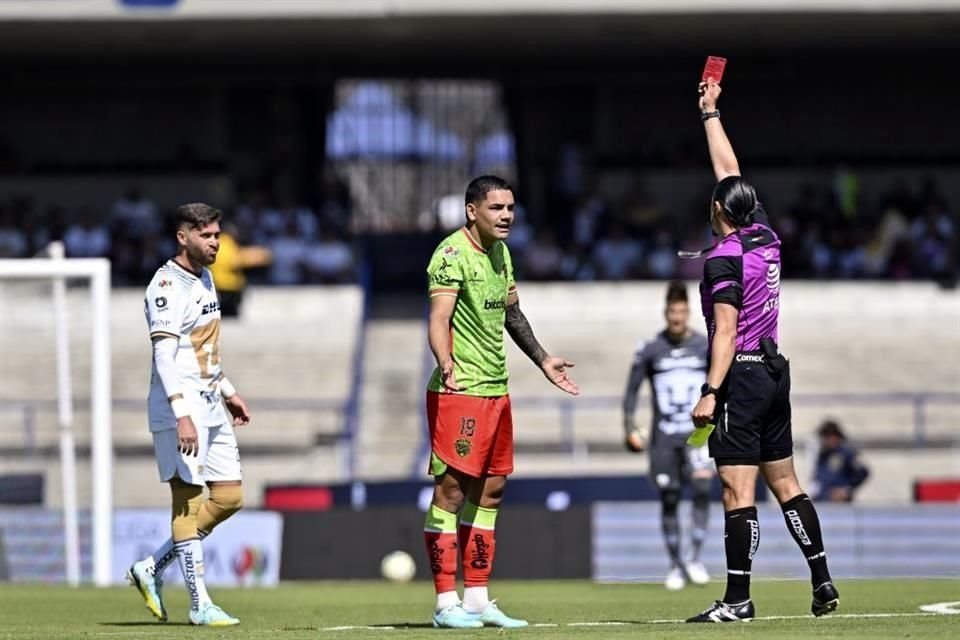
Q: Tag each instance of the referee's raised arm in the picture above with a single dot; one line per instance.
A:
(721, 151)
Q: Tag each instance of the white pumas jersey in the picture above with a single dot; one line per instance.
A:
(183, 305)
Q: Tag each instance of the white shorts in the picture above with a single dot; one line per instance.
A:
(217, 459)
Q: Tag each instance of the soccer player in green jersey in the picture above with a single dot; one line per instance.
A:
(473, 297)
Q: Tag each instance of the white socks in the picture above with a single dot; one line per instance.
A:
(162, 557)
(447, 599)
(190, 553)
(475, 599)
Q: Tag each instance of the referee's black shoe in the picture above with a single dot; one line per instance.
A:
(825, 599)
(724, 612)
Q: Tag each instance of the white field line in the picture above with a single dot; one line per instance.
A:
(938, 609)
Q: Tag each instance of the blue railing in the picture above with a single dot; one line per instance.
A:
(567, 407)
(352, 407)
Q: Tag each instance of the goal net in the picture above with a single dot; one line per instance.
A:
(56, 346)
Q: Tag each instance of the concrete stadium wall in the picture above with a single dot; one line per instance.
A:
(842, 339)
(296, 344)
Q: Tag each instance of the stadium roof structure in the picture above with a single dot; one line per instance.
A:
(385, 32)
(255, 9)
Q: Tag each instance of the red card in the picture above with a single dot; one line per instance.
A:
(714, 69)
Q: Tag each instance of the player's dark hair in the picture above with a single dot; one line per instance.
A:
(737, 198)
(196, 214)
(676, 292)
(478, 188)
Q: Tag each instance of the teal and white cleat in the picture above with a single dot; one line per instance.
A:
(141, 576)
(210, 615)
(493, 617)
(455, 617)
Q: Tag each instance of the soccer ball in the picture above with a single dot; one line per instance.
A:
(398, 566)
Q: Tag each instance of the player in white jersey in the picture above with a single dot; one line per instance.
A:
(193, 434)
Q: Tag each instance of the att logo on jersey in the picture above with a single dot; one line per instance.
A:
(494, 305)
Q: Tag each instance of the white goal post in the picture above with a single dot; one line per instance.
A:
(97, 271)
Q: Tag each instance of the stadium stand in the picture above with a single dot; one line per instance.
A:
(297, 372)
(281, 353)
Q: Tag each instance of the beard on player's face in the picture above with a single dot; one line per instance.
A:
(198, 250)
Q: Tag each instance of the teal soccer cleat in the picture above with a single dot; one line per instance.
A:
(210, 615)
(141, 576)
(455, 617)
(492, 616)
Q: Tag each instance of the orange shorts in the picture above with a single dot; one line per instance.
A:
(472, 434)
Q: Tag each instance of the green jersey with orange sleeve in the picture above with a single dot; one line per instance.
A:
(481, 280)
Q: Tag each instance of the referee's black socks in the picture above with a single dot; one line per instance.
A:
(804, 525)
(741, 538)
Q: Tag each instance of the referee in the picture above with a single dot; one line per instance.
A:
(747, 393)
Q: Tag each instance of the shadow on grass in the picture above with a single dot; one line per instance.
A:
(146, 623)
(402, 625)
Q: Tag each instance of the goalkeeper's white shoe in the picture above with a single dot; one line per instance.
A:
(697, 573)
(210, 615)
(150, 586)
(676, 580)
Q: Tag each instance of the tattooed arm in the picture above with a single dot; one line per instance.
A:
(522, 334)
(520, 331)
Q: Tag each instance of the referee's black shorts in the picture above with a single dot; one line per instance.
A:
(753, 421)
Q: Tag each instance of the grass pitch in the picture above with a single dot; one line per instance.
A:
(869, 609)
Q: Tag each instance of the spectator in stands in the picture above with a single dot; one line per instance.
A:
(543, 259)
(137, 212)
(256, 218)
(227, 271)
(839, 470)
(617, 257)
(288, 253)
(934, 242)
(641, 213)
(588, 217)
(87, 238)
(302, 215)
(51, 227)
(329, 260)
(662, 259)
(13, 239)
(890, 230)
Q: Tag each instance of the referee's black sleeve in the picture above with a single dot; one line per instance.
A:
(723, 275)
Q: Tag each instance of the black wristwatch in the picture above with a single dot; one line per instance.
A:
(706, 115)
(706, 390)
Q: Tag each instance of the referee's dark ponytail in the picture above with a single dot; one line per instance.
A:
(738, 199)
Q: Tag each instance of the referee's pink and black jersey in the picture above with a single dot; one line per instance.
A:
(743, 270)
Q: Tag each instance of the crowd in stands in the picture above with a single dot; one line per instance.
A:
(308, 247)
(828, 232)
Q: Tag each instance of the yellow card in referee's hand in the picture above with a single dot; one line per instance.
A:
(700, 435)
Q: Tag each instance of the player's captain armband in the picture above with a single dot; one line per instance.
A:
(180, 407)
(700, 435)
(227, 390)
